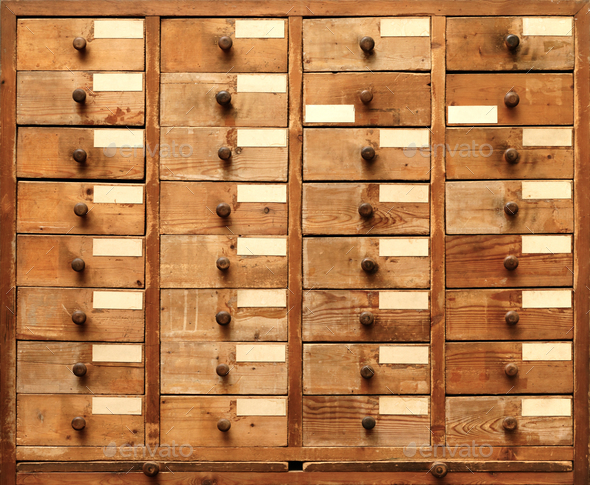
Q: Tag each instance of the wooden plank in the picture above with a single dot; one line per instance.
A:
(125, 466)
(476, 466)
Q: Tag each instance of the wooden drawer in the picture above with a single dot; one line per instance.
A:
(108, 44)
(509, 367)
(80, 208)
(191, 100)
(259, 155)
(202, 315)
(482, 261)
(79, 368)
(509, 207)
(338, 420)
(540, 421)
(390, 44)
(510, 153)
(222, 207)
(544, 99)
(52, 313)
(366, 316)
(335, 99)
(223, 368)
(359, 208)
(49, 153)
(46, 98)
(337, 154)
(108, 262)
(490, 315)
(481, 44)
(193, 45)
(366, 369)
(254, 262)
(337, 262)
(46, 420)
(254, 421)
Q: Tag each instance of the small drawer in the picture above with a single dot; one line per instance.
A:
(79, 368)
(366, 154)
(510, 43)
(366, 421)
(367, 262)
(80, 208)
(224, 315)
(223, 368)
(237, 154)
(366, 99)
(510, 99)
(223, 262)
(223, 421)
(366, 316)
(505, 207)
(366, 369)
(510, 153)
(80, 314)
(509, 421)
(508, 261)
(358, 209)
(80, 261)
(376, 44)
(510, 314)
(80, 98)
(80, 44)
(77, 420)
(189, 99)
(221, 45)
(509, 367)
(222, 208)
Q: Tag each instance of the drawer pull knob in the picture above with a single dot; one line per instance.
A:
(368, 265)
(79, 369)
(150, 468)
(366, 96)
(78, 317)
(511, 317)
(439, 470)
(80, 209)
(511, 155)
(223, 98)
(509, 423)
(78, 423)
(511, 369)
(80, 155)
(223, 318)
(368, 422)
(223, 210)
(224, 153)
(367, 44)
(511, 41)
(79, 43)
(367, 372)
(223, 425)
(225, 43)
(510, 262)
(78, 264)
(222, 370)
(511, 208)
(222, 263)
(511, 99)
(368, 153)
(367, 318)
(366, 210)
(79, 95)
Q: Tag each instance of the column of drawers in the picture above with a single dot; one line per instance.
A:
(366, 222)
(509, 225)
(80, 227)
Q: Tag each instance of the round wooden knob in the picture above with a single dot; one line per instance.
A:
(78, 317)
(223, 210)
(368, 422)
(439, 470)
(80, 155)
(367, 44)
(79, 369)
(150, 469)
(509, 423)
(511, 369)
(511, 99)
(366, 96)
(511, 155)
(79, 95)
(511, 317)
(225, 43)
(79, 43)
(368, 153)
(367, 372)
(78, 264)
(222, 370)
(223, 98)
(511, 262)
(80, 209)
(511, 208)
(223, 318)
(78, 423)
(223, 425)
(366, 318)
(368, 265)
(224, 153)
(222, 263)
(511, 41)
(366, 210)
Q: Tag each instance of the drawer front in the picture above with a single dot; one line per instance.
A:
(192, 262)
(484, 261)
(366, 369)
(202, 45)
(388, 44)
(365, 154)
(360, 208)
(509, 314)
(218, 207)
(79, 368)
(46, 420)
(543, 99)
(338, 420)
(509, 367)
(254, 154)
(79, 208)
(510, 43)
(509, 207)
(224, 315)
(191, 100)
(388, 262)
(79, 314)
(540, 421)
(223, 368)
(46, 98)
(510, 153)
(102, 262)
(366, 316)
(256, 421)
(335, 99)
(101, 44)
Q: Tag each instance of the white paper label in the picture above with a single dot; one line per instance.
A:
(546, 244)
(405, 27)
(473, 114)
(117, 82)
(106, 138)
(116, 353)
(547, 190)
(558, 26)
(262, 83)
(262, 298)
(269, 137)
(262, 246)
(117, 247)
(404, 354)
(118, 29)
(547, 137)
(262, 193)
(403, 247)
(403, 193)
(329, 113)
(261, 407)
(403, 300)
(403, 406)
(547, 299)
(547, 351)
(117, 300)
(403, 138)
(546, 407)
(260, 29)
(116, 405)
(118, 194)
(260, 353)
